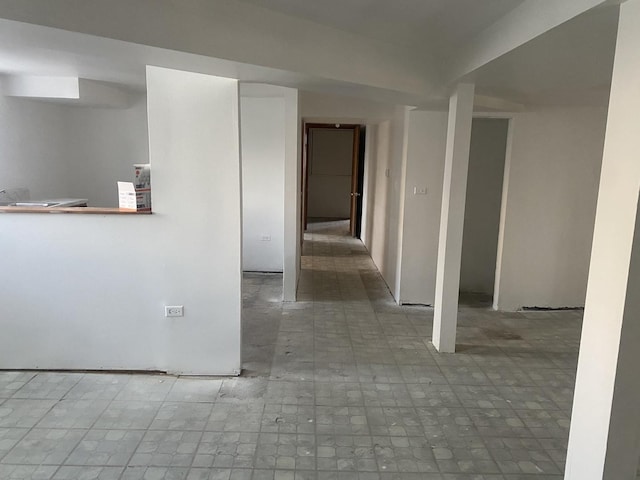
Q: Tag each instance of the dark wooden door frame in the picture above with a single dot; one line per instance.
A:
(354, 169)
(360, 184)
(355, 156)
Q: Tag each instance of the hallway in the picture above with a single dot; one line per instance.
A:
(362, 370)
(343, 384)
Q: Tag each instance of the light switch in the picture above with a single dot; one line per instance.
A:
(387, 173)
(419, 190)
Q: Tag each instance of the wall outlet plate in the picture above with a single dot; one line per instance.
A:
(265, 238)
(174, 311)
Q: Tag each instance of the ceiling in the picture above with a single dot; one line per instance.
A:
(439, 26)
(27, 49)
(570, 64)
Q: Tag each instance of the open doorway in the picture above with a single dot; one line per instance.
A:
(333, 174)
(487, 156)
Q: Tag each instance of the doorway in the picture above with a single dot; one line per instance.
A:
(487, 156)
(333, 173)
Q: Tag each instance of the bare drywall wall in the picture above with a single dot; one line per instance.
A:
(384, 202)
(482, 207)
(88, 291)
(368, 190)
(61, 151)
(330, 165)
(400, 144)
(425, 170)
(271, 140)
(378, 196)
(263, 157)
(103, 145)
(603, 440)
(293, 195)
(549, 212)
(33, 147)
(324, 108)
(555, 157)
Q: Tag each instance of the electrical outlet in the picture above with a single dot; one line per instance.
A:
(266, 238)
(174, 311)
(419, 190)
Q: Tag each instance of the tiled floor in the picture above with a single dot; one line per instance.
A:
(343, 384)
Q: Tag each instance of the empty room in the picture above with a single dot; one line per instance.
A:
(298, 240)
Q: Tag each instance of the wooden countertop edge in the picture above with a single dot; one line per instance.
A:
(72, 210)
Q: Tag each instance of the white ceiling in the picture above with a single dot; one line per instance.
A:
(439, 26)
(27, 49)
(569, 64)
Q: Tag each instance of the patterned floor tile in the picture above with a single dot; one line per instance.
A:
(342, 385)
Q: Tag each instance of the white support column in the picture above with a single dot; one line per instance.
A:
(292, 196)
(452, 218)
(604, 442)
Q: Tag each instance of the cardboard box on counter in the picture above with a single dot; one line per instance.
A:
(142, 185)
(142, 175)
(143, 200)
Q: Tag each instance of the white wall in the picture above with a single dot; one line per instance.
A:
(399, 145)
(368, 188)
(272, 195)
(549, 215)
(482, 208)
(330, 169)
(33, 147)
(263, 157)
(66, 151)
(603, 441)
(552, 186)
(293, 195)
(384, 202)
(87, 291)
(103, 145)
(377, 197)
(425, 169)
(324, 108)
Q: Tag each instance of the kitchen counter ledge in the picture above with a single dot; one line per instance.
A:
(72, 210)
